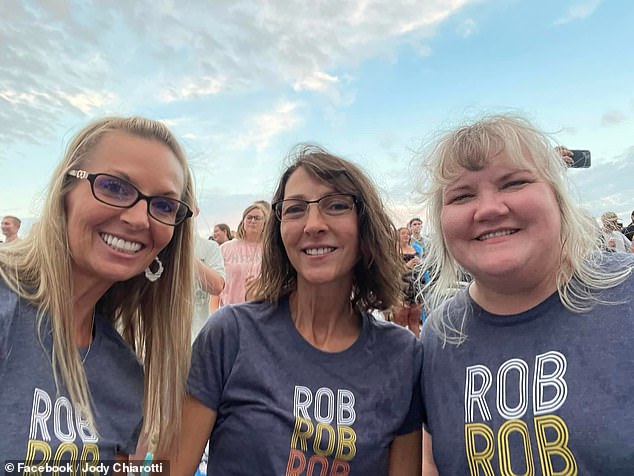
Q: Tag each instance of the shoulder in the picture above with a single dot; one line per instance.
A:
(390, 334)
(233, 318)
(614, 262)
(448, 317)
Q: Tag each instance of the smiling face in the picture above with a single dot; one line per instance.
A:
(220, 236)
(110, 244)
(323, 249)
(502, 224)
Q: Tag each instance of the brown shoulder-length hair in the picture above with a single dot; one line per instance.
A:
(376, 274)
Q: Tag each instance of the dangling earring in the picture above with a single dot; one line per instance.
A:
(151, 275)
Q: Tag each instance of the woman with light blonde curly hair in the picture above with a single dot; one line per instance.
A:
(530, 364)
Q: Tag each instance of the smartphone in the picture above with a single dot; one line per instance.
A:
(580, 159)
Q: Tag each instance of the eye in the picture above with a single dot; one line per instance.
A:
(114, 187)
(460, 198)
(515, 183)
(293, 208)
(337, 204)
(164, 206)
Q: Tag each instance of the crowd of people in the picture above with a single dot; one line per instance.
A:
(269, 350)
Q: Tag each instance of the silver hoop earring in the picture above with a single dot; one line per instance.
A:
(151, 275)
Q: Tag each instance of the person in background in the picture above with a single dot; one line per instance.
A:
(222, 233)
(408, 312)
(415, 226)
(307, 363)
(529, 368)
(243, 255)
(628, 231)
(613, 239)
(10, 228)
(210, 273)
(94, 340)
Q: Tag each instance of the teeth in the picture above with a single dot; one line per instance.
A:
(318, 251)
(120, 244)
(495, 234)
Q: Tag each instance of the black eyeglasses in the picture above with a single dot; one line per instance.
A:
(116, 192)
(334, 204)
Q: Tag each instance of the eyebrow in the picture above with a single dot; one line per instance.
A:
(127, 178)
(301, 196)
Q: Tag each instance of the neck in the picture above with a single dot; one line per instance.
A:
(503, 299)
(251, 237)
(325, 319)
(86, 293)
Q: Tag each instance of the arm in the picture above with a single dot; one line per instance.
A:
(405, 455)
(211, 281)
(429, 466)
(197, 425)
(214, 303)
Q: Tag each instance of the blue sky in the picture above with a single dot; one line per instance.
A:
(242, 81)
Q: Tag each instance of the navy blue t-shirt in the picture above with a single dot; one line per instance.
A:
(38, 423)
(282, 404)
(546, 391)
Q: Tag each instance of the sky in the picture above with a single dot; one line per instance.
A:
(241, 82)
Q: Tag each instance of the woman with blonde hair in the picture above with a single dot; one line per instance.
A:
(94, 317)
(530, 365)
(243, 254)
(305, 377)
(613, 238)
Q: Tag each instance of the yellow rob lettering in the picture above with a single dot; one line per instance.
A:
(37, 448)
(479, 459)
(559, 446)
(319, 430)
(346, 443)
(504, 454)
(302, 435)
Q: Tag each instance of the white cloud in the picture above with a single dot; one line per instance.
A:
(579, 11)
(89, 101)
(317, 81)
(54, 52)
(263, 128)
(467, 28)
(612, 118)
(192, 88)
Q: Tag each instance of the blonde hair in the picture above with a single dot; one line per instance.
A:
(240, 233)
(153, 318)
(471, 147)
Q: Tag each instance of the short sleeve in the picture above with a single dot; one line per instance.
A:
(213, 354)
(414, 418)
(8, 303)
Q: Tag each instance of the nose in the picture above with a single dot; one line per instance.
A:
(314, 219)
(137, 215)
(489, 206)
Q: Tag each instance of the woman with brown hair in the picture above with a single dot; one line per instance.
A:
(307, 364)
